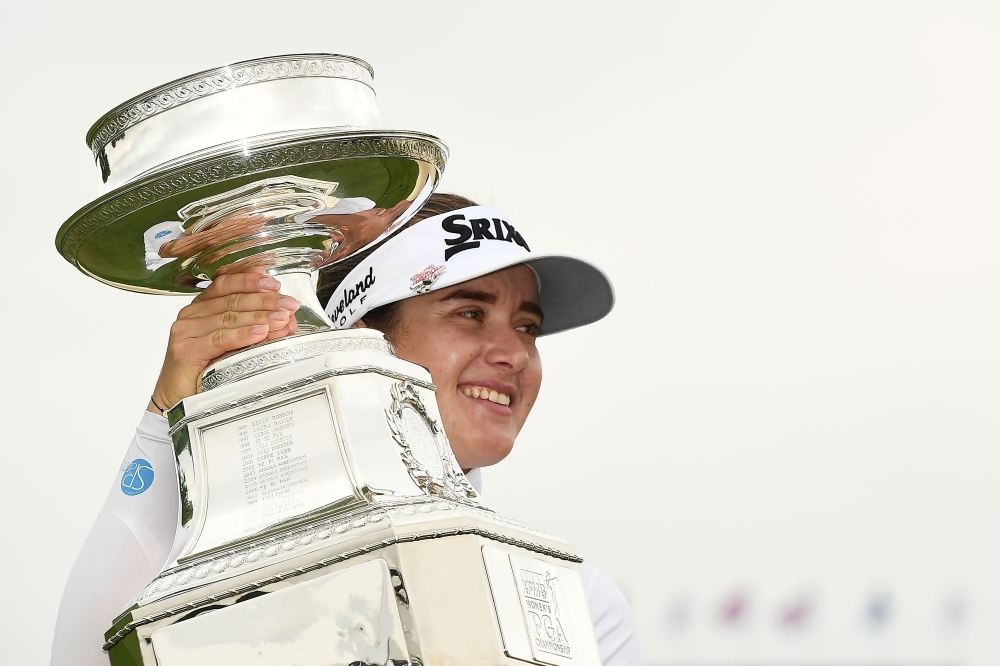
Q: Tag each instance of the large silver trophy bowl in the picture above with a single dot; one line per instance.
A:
(324, 519)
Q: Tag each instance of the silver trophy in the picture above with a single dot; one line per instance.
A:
(324, 518)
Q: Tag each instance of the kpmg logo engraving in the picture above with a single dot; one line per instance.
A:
(137, 477)
(470, 233)
(546, 618)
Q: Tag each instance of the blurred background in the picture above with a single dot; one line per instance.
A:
(782, 444)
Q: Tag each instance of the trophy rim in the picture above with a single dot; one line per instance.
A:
(178, 92)
(230, 161)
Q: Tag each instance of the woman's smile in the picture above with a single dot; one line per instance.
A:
(484, 393)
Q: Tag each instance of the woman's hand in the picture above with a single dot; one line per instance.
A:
(236, 310)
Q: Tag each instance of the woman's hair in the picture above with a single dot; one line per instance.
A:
(386, 317)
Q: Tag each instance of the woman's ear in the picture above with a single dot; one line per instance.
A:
(359, 324)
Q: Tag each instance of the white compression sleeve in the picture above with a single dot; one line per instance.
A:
(126, 548)
(614, 626)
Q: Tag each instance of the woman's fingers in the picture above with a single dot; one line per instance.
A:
(239, 283)
(238, 302)
(235, 311)
(196, 327)
(289, 329)
(206, 348)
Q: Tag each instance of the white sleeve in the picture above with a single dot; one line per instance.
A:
(614, 626)
(126, 548)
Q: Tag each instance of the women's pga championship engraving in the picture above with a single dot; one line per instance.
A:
(318, 489)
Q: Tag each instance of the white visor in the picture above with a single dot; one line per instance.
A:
(462, 245)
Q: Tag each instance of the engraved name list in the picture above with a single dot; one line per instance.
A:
(274, 469)
(270, 466)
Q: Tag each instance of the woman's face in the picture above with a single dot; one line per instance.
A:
(477, 339)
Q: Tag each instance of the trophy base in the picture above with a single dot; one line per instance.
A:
(325, 520)
(419, 582)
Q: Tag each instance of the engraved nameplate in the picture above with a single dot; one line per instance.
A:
(271, 465)
(545, 607)
(541, 608)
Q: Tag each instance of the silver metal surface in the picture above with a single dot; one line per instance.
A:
(283, 352)
(541, 608)
(345, 617)
(263, 96)
(447, 598)
(280, 164)
(308, 437)
(291, 462)
(294, 545)
(250, 400)
(424, 447)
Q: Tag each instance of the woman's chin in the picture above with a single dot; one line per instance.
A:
(482, 453)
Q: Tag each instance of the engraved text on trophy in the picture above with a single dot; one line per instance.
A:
(271, 465)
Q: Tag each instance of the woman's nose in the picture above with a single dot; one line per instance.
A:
(506, 348)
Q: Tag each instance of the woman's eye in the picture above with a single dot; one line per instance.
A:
(530, 329)
(471, 314)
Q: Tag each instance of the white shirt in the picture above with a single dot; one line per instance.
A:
(133, 539)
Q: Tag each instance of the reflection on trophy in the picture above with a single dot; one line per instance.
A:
(324, 518)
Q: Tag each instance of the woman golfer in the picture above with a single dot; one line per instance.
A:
(458, 292)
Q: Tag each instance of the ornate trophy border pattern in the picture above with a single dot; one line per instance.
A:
(453, 485)
(286, 543)
(289, 542)
(269, 359)
(385, 543)
(112, 126)
(119, 203)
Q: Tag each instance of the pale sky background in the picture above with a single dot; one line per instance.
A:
(796, 396)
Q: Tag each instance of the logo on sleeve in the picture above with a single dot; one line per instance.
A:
(469, 233)
(137, 477)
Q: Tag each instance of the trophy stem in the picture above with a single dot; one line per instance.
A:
(299, 285)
